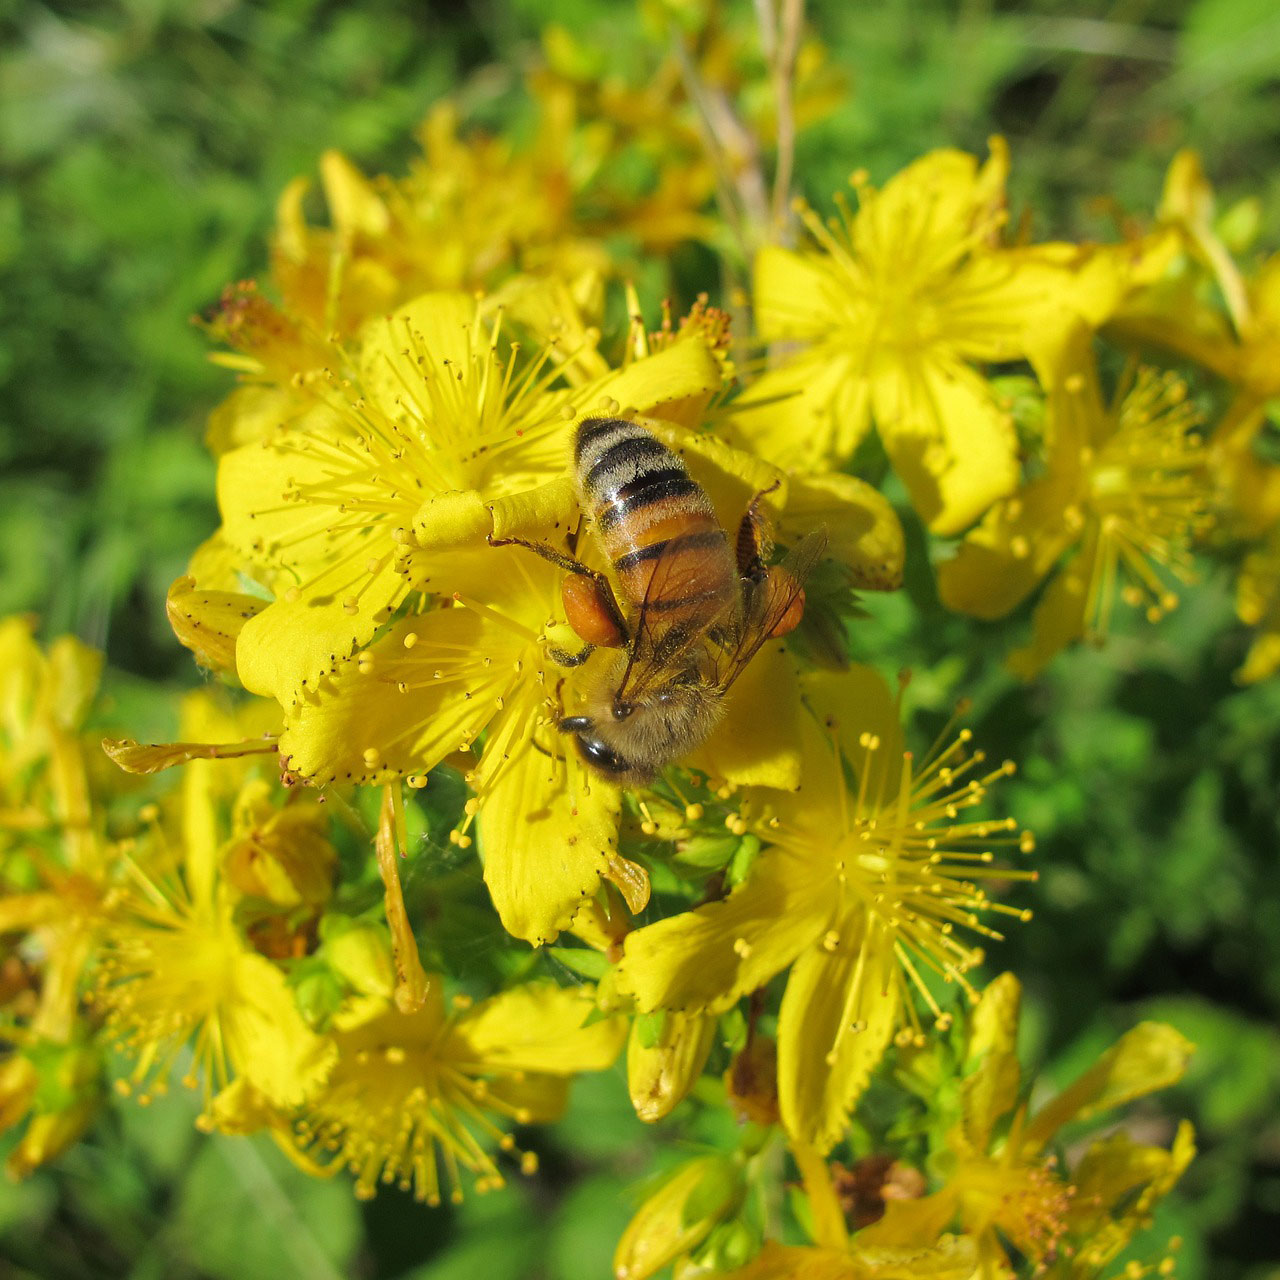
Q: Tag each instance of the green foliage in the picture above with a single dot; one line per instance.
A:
(142, 146)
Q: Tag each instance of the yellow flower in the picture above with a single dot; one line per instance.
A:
(56, 866)
(1235, 332)
(482, 670)
(857, 892)
(347, 512)
(892, 310)
(469, 212)
(175, 969)
(1258, 605)
(949, 1259)
(1124, 491)
(1000, 1183)
(1206, 309)
(61, 1086)
(408, 1089)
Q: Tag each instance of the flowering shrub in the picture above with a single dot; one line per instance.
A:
(789, 925)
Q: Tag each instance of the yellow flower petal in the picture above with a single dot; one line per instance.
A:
(21, 912)
(353, 204)
(758, 744)
(685, 370)
(852, 705)
(779, 278)
(251, 413)
(388, 714)
(808, 412)
(440, 322)
(540, 1027)
(291, 231)
(944, 191)
(908, 1222)
(150, 757)
(1015, 547)
(828, 1042)
(953, 445)
(990, 1088)
(950, 1259)
(1152, 1056)
(1059, 619)
(703, 960)
(1263, 658)
(546, 841)
(209, 622)
(342, 584)
(266, 1039)
(292, 644)
(863, 530)
(74, 672)
(1111, 1170)
(530, 1097)
(794, 1262)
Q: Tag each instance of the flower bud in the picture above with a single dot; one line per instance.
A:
(283, 856)
(662, 1069)
(678, 1216)
(361, 957)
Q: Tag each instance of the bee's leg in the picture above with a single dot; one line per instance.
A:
(754, 543)
(590, 606)
(561, 558)
(563, 658)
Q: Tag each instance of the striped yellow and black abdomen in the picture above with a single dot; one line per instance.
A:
(648, 510)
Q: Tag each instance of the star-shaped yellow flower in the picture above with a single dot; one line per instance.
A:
(1001, 1182)
(856, 891)
(1124, 492)
(175, 967)
(408, 1090)
(344, 513)
(888, 316)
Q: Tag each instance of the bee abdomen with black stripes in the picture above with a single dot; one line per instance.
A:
(648, 511)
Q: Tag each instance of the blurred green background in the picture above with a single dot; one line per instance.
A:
(142, 146)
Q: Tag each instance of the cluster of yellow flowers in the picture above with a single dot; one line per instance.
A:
(813, 892)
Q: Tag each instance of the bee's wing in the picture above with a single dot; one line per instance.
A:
(766, 603)
(658, 646)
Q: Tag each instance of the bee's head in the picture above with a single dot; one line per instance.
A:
(599, 753)
(632, 741)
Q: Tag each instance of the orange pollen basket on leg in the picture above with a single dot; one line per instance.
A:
(587, 612)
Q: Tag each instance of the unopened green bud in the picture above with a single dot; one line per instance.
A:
(319, 996)
(730, 1246)
(707, 852)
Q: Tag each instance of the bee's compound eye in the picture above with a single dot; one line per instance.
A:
(601, 755)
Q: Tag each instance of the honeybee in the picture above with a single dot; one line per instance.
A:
(695, 606)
